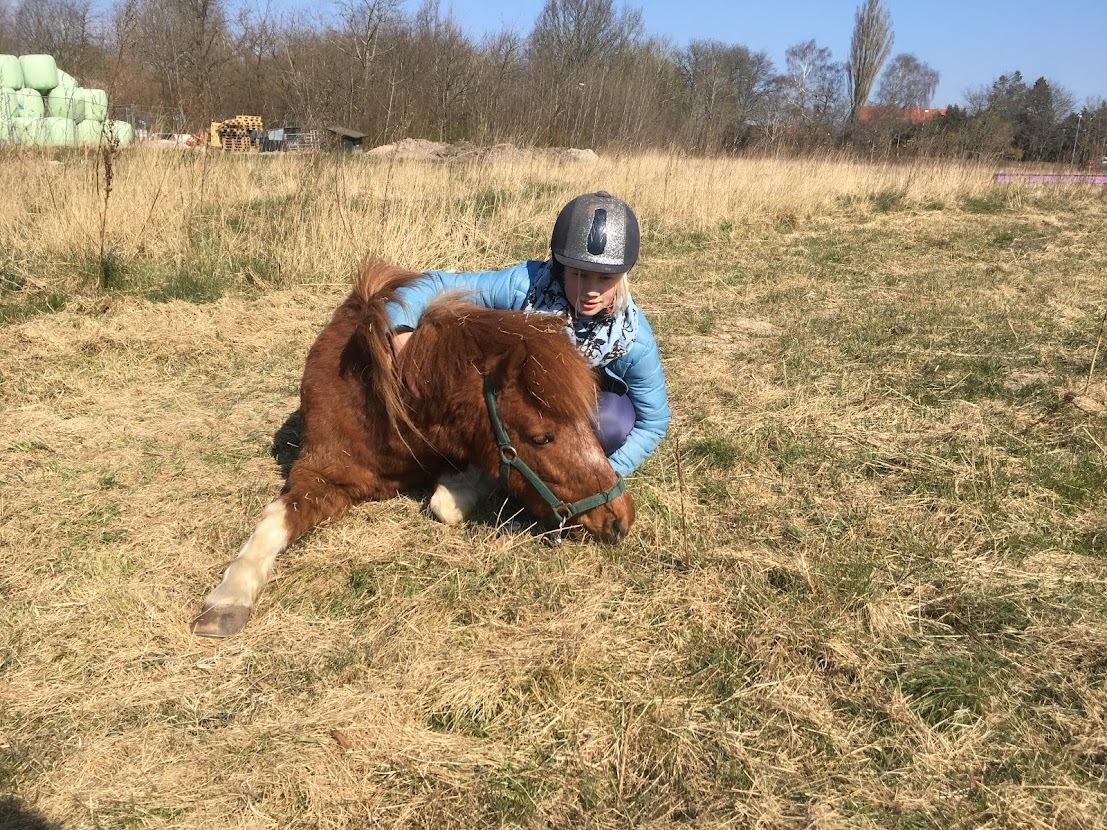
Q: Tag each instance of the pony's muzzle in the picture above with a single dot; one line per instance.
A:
(616, 530)
(610, 523)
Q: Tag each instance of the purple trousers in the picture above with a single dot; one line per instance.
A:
(614, 420)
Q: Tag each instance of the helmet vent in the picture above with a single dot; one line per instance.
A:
(597, 236)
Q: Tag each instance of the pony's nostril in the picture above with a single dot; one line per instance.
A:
(616, 529)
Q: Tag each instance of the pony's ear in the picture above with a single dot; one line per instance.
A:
(505, 366)
(540, 378)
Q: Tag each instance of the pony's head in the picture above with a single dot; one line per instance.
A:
(545, 397)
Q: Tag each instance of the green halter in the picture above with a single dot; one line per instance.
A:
(563, 511)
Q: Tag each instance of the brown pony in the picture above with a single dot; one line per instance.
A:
(374, 425)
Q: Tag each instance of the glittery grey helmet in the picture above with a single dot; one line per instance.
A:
(596, 232)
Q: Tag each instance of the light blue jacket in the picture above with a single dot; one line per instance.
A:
(636, 374)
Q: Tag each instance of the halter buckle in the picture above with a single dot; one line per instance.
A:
(564, 513)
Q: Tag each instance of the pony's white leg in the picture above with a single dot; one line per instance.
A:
(227, 607)
(458, 493)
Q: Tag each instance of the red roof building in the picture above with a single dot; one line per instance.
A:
(909, 115)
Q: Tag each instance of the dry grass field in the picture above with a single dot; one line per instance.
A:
(867, 586)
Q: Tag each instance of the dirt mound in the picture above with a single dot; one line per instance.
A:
(420, 149)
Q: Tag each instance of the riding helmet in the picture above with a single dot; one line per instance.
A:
(596, 232)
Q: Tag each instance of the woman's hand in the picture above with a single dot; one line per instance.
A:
(399, 340)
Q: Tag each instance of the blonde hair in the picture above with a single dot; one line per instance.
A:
(622, 293)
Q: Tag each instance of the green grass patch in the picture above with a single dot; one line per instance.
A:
(189, 286)
(484, 203)
(719, 665)
(887, 200)
(993, 201)
(473, 721)
(719, 453)
(1078, 478)
(976, 614)
(21, 309)
(953, 689)
(511, 793)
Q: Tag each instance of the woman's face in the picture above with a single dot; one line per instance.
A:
(590, 292)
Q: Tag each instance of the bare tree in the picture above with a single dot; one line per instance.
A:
(574, 45)
(501, 64)
(584, 31)
(725, 89)
(869, 48)
(451, 69)
(363, 24)
(907, 82)
(811, 86)
(5, 23)
(62, 28)
(183, 44)
(702, 68)
(585, 75)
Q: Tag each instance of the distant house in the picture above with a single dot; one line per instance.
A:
(901, 115)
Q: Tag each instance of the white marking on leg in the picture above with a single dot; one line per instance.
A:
(457, 494)
(249, 572)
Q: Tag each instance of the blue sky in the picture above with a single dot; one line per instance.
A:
(968, 42)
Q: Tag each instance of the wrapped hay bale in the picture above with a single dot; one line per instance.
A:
(56, 132)
(101, 99)
(24, 130)
(65, 79)
(63, 102)
(94, 103)
(9, 104)
(28, 103)
(124, 133)
(11, 72)
(39, 72)
(90, 133)
(93, 133)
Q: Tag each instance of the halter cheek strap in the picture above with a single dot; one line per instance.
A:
(509, 459)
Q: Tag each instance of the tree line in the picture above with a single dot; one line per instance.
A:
(586, 74)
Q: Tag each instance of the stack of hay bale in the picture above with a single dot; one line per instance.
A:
(42, 105)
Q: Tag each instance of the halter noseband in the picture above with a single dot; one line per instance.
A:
(509, 458)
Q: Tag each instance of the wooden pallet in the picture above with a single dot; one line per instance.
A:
(247, 122)
(237, 143)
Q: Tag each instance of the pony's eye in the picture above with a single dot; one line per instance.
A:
(544, 438)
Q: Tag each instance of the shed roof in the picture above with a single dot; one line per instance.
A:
(345, 132)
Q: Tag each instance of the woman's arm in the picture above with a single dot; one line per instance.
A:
(504, 289)
(646, 389)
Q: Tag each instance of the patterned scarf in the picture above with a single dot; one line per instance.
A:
(601, 338)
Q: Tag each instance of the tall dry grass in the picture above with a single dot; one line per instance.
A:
(314, 215)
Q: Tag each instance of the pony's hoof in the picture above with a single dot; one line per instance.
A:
(221, 620)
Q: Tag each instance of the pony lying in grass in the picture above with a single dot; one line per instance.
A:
(504, 391)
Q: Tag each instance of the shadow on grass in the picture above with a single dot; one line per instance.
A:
(286, 443)
(14, 815)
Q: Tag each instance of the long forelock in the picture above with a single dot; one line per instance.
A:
(554, 374)
(558, 378)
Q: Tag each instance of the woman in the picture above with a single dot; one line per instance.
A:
(594, 245)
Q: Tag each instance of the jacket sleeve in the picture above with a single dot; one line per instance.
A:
(506, 289)
(646, 389)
